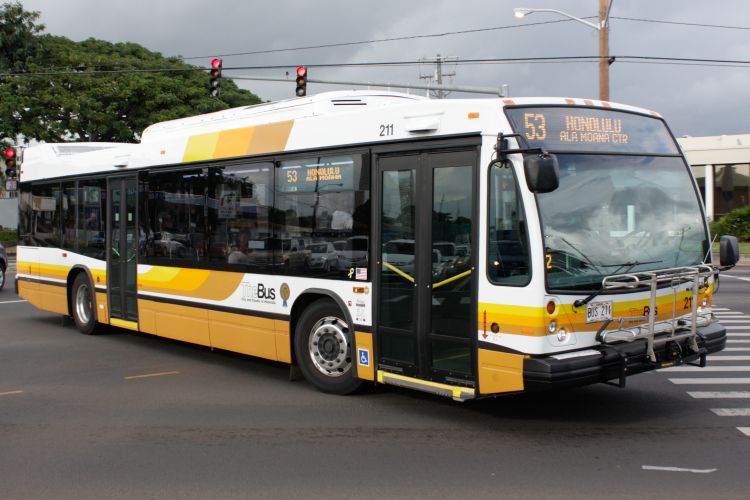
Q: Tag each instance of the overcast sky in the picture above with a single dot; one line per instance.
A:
(696, 100)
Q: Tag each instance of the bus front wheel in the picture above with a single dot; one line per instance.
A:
(82, 302)
(323, 348)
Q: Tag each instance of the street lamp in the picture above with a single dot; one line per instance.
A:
(602, 27)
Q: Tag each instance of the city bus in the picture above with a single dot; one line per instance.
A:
(483, 246)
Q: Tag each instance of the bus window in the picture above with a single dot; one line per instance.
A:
(92, 212)
(175, 211)
(46, 219)
(508, 253)
(322, 200)
(69, 209)
(239, 204)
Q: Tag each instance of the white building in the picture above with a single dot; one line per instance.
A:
(721, 165)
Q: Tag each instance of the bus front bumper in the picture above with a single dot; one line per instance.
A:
(613, 363)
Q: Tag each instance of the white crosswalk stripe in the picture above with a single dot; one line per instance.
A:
(732, 412)
(719, 395)
(707, 369)
(737, 324)
(709, 381)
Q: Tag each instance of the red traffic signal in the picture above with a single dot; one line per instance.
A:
(301, 89)
(214, 83)
(9, 157)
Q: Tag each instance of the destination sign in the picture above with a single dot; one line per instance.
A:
(589, 129)
(326, 174)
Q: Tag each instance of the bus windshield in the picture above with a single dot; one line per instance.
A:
(619, 213)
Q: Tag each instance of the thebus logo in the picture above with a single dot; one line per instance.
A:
(258, 293)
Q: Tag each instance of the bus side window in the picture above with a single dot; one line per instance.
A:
(508, 252)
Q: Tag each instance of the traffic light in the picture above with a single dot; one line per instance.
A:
(301, 90)
(214, 84)
(9, 157)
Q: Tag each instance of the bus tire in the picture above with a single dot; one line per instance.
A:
(82, 305)
(324, 350)
(2, 276)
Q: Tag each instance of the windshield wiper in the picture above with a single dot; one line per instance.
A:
(585, 257)
(627, 265)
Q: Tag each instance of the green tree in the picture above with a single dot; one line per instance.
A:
(95, 90)
(18, 36)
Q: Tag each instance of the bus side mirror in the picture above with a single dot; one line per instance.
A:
(542, 172)
(729, 251)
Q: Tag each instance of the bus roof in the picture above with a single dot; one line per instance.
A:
(325, 120)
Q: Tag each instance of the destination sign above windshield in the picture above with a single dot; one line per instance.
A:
(590, 129)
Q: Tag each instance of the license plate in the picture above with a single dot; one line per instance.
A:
(598, 311)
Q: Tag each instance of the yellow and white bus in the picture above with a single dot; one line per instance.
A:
(467, 247)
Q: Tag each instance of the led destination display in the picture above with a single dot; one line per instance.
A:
(590, 129)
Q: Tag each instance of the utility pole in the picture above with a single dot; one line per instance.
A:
(604, 59)
(438, 76)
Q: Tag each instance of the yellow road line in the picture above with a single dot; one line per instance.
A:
(147, 375)
(10, 393)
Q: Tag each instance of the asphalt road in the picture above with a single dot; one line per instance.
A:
(78, 419)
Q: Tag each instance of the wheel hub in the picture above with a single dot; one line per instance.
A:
(329, 347)
(83, 304)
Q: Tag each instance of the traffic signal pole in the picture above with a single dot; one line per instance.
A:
(502, 91)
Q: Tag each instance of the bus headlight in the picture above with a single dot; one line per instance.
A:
(562, 335)
(552, 326)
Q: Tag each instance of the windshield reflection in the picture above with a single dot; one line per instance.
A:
(615, 214)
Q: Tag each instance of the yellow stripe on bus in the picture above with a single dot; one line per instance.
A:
(259, 139)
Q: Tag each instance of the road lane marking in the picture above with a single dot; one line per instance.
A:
(734, 320)
(720, 395)
(677, 469)
(727, 313)
(721, 309)
(12, 301)
(707, 369)
(744, 430)
(10, 393)
(736, 349)
(715, 357)
(736, 327)
(738, 341)
(732, 412)
(738, 334)
(148, 375)
(708, 380)
(735, 277)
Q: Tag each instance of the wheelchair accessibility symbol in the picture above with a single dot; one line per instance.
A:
(364, 357)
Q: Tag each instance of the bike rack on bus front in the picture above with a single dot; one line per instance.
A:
(652, 280)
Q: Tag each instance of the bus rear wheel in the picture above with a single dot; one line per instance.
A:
(82, 305)
(323, 348)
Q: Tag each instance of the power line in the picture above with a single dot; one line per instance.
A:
(508, 60)
(681, 23)
(380, 40)
(460, 32)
